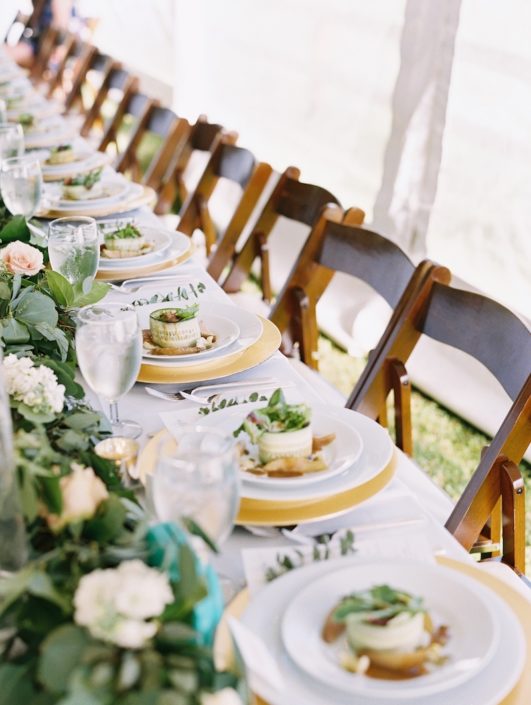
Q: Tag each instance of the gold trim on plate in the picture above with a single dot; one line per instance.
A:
(148, 197)
(284, 513)
(240, 361)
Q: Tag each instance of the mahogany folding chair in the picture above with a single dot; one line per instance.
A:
(492, 505)
(203, 136)
(114, 94)
(229, 163)
(291, 199)
(93, 67)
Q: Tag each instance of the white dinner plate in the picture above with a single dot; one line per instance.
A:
(84, 161)
(49, 132)
(110, 192)
(450, 600)
(376, 454)
(179, 245)
(249, 324)
(225, 329)
(160, 239)
(341, 454)
(264, 616)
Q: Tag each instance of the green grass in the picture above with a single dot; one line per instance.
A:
(445, 446)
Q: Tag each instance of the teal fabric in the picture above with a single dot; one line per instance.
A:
(164, 542)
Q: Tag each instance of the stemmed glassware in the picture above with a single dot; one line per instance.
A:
(109, 353)
(198, 480)
(3, 112)
(73, 247)
(21, 185)
(11, 141)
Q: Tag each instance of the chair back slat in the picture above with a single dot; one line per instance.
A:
(161, 120)
(368, 256)
(233, 163)
(303, 202)
(482, 328)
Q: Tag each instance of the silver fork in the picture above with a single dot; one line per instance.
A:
(133, 289)
(217, 389)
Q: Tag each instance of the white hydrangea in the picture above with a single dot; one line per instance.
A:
(36, 387)
(115, 603)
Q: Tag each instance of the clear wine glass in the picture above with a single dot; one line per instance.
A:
(109, 353)
(11, 141)
(198, 480)
(3, 112)
(21, 185)
(73, 247)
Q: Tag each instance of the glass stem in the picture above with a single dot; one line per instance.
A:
(113, 409)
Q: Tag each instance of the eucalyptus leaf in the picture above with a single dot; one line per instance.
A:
(13, 332)
(35, 308)
(41, 585)
(5, 291)
(73, 440)
(35, 416)
(82, 420)
(15, 686)
(61, 652)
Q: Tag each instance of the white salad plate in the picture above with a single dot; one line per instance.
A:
(49, 132)
(37, 107)
(110, 192)
(225, 329)
(249, 330)
(450, 600)
(84, 161)
(178, 246)
(486, 686)
(160, 238)
(343, 452)
(376, 452)
(250, 327)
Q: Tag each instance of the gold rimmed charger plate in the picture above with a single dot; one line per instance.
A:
(281, 512)
(110, 275)
(145, 197)
(215, 368)
(520, 694)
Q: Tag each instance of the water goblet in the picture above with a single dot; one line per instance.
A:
(73, 247)
(11, 141)
(21, 185)
(109, 353)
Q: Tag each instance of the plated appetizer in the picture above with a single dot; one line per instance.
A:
(282, 441)
(125, 242)
(176, 331)
(62, 154)
(27, 120)
(84, 186)
(387, 633)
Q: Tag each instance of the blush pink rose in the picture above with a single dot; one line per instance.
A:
(20, 258)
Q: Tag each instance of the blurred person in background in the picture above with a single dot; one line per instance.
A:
(45, 13)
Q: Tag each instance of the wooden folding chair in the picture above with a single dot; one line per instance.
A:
(71, 46)
(155, 123)
(116, 89)
(292, 199)
(92, 70)
(203, 136)
(232, 164)
(51, 38)
(492, 506)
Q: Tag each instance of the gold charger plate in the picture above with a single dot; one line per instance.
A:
(135, 272)
(147, 197)
(283, 513)
(520, 694)
(265, 346)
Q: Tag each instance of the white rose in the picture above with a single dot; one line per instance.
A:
(145, 592)
(94, 599)
(82, 493)
(227, 696)
(132, 633)
(20, 258)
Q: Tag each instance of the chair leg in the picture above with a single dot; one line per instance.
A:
(263, 253)
(513, 511)
(401, 388)
(206, 224)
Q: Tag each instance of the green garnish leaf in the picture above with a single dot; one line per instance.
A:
(277, 417)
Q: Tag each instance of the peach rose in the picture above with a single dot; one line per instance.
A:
(20, 258)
